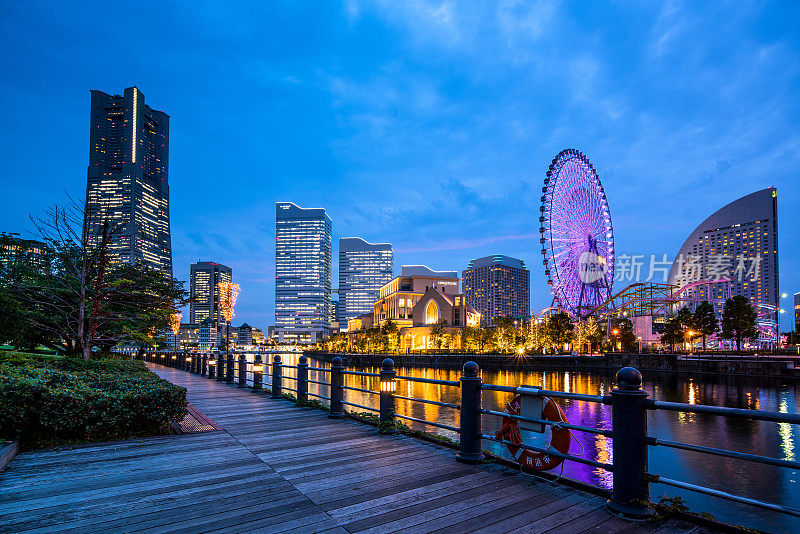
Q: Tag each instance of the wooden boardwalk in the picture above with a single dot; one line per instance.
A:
(276, 468)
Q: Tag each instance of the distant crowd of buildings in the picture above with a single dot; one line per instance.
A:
(128, 189)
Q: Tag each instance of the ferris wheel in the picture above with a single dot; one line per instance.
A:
(576, 234)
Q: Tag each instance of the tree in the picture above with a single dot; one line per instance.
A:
(623, 333)
(437, 331)
(705, 320)
(86, 299)
(504, 332)
(673, 333)
(739, 320)
(593, 333)
(475, 338)
(560, 329)
(391, 333)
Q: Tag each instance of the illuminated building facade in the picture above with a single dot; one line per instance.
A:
(17, 254)
(302, 273)
(363, 269)
(796, 313)
(738, 245)
(498, 286)
(127, 178)
(396, 299)
(204, 280)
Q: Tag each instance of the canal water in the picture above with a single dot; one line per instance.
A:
(763, 482)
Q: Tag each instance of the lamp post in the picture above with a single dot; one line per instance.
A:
(614, 343)
(778, 311)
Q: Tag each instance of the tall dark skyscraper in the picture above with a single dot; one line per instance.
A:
(204, 280)
(364, 268)
(498, 286)
(127, 178)
(302, 273)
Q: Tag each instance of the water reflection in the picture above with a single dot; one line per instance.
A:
(778, 440)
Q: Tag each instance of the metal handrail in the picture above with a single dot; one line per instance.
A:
(600, 399)
(426, 401)
(758, 415)
(430, 381)
(725, 495)
(360, 389)
(318, 382)
(590, 430)
(723, 452)
(319, 369)
(551, 452)
(359, 373)
(426, 422)
(318, 396)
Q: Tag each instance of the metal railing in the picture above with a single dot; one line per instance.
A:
(629, 403)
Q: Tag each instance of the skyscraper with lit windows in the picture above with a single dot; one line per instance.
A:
(497, 286)
(127, 182)
(302, 273)
(363, 269)
(204, 280)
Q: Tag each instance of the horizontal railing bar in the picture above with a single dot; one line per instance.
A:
(360, 389)
(319, 369)
(360, 373)
(318, 396)
(726, 495)
(360, 406)
(430, 381)
(590, 430)
(759, 415)
(318, 382)
(290, 389)
(289, 377)
(426, 401)
(550, 452)
(549, 393)
(289, 366)
(730, 454)
(426, 422)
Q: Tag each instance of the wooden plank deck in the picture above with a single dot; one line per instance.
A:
(276, 468)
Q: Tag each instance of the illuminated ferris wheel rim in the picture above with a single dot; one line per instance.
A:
(575, 228)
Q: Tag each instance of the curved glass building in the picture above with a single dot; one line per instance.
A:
(738, 245)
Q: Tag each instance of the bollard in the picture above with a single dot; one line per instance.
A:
(302, 380)
(229, 370)
(276, 377)
(203, 366)
(469, 450)
(242, 371)
(337, 381)
(630, 494)
(195, 366)
(258, 374)
(212, 367)
(388, 387)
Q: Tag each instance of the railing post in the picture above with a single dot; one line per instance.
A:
(302, 379)
(242, 371)
(203, 367)
(195, 363)
(229, 369)
(337, 381)
(388, 387)
(631, 491)
(469, 450)
(258, 373)
(276, 377)
(213, 367)
(220, 370)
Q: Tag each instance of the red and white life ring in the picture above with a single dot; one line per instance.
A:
(533, 460)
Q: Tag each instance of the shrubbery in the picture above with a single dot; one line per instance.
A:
(47, 400)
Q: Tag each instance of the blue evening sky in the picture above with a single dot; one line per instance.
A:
(428, 125)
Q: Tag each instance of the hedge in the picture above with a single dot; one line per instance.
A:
(48, 400)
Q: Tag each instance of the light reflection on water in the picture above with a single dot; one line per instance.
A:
(777, 440)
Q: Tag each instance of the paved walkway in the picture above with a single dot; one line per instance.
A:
(276, 468)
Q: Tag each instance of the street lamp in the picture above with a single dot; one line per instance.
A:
(778, 311)
(613, 345)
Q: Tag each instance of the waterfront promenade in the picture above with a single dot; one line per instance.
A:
(277, 468)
